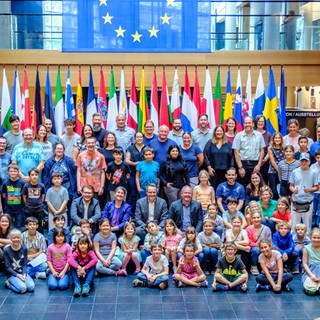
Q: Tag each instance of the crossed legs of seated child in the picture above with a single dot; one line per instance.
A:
(311, 253)
(16, 260)
(231, 272)
(154, 273)
(189, 272)
(273, 276)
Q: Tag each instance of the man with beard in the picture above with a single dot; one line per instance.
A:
(53, 138)
(98, 132)
(176, 133)
(203, 134)
(124, 134)
(230, 188)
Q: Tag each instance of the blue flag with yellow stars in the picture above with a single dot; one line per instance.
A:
(136, 26)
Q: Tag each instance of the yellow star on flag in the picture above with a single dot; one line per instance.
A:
(107, 18)
(169, 3)
(153, 32)
(120, 32)
(103, 2)
(136, 36)
(165, 19)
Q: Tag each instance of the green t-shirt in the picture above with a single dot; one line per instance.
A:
(268, 212)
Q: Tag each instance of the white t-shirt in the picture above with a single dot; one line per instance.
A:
(156, 267)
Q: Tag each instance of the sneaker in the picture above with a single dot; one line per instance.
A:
(206, 272)
(6, 283)
(136, 272)
(254, 270)
(261, 287)
(85, 290)
(77, 291)
(287, 288)
(137, 283)
(121, 272)
(41, 275)
(163, 285)
(180, 284)
(204, 284)
(295, 270)
(221, 287)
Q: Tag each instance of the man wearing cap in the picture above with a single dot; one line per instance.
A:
(303, 183)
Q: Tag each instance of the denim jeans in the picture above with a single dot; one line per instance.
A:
(286, 278)
(18, 286)
(40, 268)
(144, 255)
(58, 283)
(88, 278)
(269, 223)
(255, 251)
(132, 190)
(316, 210)
(141, 276)
(209, 255)
(111, 270)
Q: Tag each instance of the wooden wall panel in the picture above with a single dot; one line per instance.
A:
(301, 67)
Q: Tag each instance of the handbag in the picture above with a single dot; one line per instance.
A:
(301, 207)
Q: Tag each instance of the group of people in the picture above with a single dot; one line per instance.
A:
(212, 201)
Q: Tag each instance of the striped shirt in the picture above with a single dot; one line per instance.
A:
(285, 169)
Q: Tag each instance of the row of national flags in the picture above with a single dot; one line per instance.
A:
(160, 108)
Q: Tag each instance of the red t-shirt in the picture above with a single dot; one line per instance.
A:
(284, 217)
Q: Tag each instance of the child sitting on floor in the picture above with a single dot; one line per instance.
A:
(155, 270)
(189, 272)
(311, 263)
(231, 272)
(16, 260)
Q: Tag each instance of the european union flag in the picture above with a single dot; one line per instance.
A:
(136, 25)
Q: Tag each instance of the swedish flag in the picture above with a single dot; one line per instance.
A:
(271, 106)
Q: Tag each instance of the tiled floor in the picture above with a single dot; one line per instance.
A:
(116, 299)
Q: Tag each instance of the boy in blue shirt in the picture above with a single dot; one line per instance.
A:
(147, 172)
(283, 242)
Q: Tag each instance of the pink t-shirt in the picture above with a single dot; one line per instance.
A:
(272, 263)
(173, 241)
(58, 256)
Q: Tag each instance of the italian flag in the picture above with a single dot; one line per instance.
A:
(6, 108)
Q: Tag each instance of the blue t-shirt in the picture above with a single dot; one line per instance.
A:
(161, 149)
(149, 141)
(190, 156)
(225, 190)
(149, 172)
(314, 147)
(28, 157)
(5, 160)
